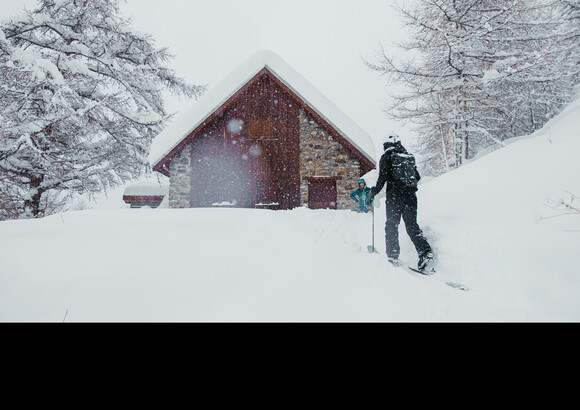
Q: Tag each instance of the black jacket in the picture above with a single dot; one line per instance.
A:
(385, 171)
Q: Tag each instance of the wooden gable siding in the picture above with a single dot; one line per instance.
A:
(248, 154)
(163, 165)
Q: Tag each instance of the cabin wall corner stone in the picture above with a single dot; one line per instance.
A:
(180, 179)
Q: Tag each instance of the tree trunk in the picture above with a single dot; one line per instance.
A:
(32, 206)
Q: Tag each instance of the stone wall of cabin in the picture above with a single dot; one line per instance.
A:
(180, 179)
(322, 156)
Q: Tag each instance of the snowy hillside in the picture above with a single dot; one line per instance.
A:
(487, 222)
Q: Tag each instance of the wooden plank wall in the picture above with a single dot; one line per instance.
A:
(249, 154)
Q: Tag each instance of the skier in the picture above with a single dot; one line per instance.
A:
(397, 169)
(362, 196)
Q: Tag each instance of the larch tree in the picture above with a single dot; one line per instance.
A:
(478, 72)
(81, 100)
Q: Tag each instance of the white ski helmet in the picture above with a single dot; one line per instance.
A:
(391, 139)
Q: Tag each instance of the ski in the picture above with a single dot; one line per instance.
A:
(422, 272)
(454, 285)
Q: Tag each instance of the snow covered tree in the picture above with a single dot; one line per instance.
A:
(572, 12)
(571, 33)
(478, 72)
(81, 99)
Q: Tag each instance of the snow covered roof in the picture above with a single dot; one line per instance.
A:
(188, 120)
(146, 189)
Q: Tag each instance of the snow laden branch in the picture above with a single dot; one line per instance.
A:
(81, 99)
(473, 73)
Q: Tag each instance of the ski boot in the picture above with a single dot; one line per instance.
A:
(424, 261)
(395, 262)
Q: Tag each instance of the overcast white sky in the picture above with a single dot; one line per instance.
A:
(324, 40)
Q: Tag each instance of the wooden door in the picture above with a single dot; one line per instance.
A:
(322, 194)
(264, 154)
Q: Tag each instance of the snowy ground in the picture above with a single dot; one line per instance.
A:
(487, 222)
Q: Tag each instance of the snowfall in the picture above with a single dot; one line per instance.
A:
(495, 226)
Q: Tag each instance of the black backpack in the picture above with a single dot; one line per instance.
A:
(403, 170)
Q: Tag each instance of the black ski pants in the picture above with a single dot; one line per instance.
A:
(403, 204)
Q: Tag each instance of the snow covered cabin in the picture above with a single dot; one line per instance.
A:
(264, 137)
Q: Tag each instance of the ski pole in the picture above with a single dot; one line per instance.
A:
(373, 211)
(371, 248)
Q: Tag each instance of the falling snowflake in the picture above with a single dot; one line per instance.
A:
(235, 126)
